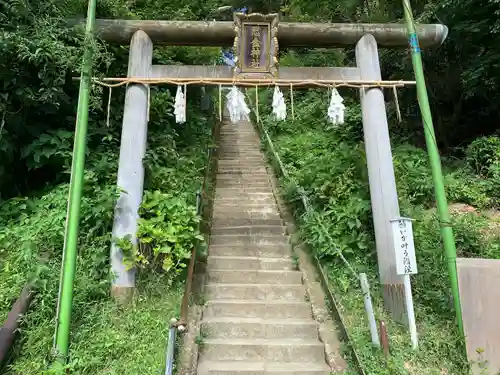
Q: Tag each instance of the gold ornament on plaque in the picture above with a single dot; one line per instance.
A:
(256, 45)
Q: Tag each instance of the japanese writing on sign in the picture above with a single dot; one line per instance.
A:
(406, 263)
(255, 47)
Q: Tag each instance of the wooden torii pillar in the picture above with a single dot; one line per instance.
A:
(366, 37)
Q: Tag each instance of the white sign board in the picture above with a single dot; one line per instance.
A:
(402, 232)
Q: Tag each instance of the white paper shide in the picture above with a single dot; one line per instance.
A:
(235, 104)
(279, 105)
(180, 106)
(336, 108)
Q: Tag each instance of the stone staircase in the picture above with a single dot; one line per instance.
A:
(256, 318)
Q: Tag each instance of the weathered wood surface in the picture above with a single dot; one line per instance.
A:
(478, 281)
(291, 34)
(11, 325)
(130, 167)
(226, 72)
(383, 193)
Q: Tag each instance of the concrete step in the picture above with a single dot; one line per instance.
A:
(233, 213)
(244, 200)
(252, 230)
(256, 292)
(240, 135)
(249, 179)
(248, 189)
(241, 170)
(241, 154)
(275, 277)
(243, 174)
(240, 160)
(240, 131)
(253, 194)
(241, 183)
(249, 263)
(236, 222)
(245, 165)
(277, 350)
(262, 368)
(246, 133)
(257, 309)
(258, 186)
(238, 151)
(230, 141)
(242, 165)
(254, 148)
(251, 250)
(260, 157)
(258, 328)
(245, 206)
(233, 206)
(235, 240)
(253, 214)
(236, 146)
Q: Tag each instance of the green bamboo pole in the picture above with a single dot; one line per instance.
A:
(65, 300)
(435, 162)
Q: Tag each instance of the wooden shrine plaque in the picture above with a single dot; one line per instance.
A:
(256, 45)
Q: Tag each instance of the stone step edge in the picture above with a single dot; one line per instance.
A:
(267, 321)
(256, 302)
(269, 272)
(244, 366)
(263, 235)
(254, 226)
(262, 259)
(293, 286)
(266, 342)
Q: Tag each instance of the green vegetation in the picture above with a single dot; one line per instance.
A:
(329, 164)
(106, 338)
(37, 108)
(37, 116)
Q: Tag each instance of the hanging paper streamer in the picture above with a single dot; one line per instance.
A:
(238, 109)
(279, 105)
(180, 106)
(336, 108)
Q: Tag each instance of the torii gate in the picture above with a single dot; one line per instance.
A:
(367, 37)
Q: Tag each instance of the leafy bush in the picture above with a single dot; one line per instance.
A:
(167, 230)
(329, 164)
(483, 156)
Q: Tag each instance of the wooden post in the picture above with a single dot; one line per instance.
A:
(383, 193)
(130, 169)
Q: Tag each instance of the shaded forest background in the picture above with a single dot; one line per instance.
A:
(40, 57)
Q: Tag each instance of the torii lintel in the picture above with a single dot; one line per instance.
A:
(291, 34)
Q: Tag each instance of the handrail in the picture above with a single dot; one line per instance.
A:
(172, 335)
(181, 324)
(309, 210)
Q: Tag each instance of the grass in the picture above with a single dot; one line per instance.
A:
(108, 339)
(105, 338)
(330, 165)
(439, 346)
